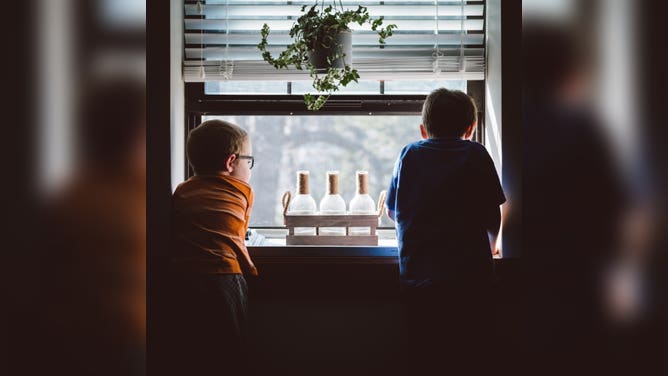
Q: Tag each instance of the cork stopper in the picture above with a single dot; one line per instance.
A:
(332, 182)
(362, 182)
(302, 182)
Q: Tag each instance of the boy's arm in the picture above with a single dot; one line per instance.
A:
(390, 199)
(390, 213)
(493, 225)
(250, 268)
(492, 197)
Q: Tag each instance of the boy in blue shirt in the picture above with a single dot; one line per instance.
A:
(445, 198)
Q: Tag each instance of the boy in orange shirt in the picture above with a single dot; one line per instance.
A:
(211, 211)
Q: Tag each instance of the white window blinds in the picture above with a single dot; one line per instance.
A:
(434, 40)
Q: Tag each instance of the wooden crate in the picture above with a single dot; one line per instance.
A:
(346, 221)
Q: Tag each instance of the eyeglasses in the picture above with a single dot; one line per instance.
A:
(251, 160)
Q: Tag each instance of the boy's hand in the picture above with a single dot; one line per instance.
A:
(253, 271)
(390, 213)
(496, 251)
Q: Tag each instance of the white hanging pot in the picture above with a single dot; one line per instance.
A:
(343, 42)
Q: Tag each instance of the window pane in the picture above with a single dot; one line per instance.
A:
(422, 86)
(363, 87)
(245, 87)
(282, 145)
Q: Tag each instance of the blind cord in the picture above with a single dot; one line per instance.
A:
(462, 62)
(225, 68)
(436, 65)
(199, 8)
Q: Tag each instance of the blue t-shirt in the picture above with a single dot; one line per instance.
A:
(442, 191)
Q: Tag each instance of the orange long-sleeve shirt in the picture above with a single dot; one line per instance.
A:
(210, 219)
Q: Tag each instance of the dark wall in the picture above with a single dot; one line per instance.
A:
(158, 184)
(310, 317)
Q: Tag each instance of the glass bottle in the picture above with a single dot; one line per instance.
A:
(362, 203)
(332, 204)
(303, 203)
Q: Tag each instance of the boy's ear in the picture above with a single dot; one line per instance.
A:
(423, 132)
(470, 129)
(229, 163)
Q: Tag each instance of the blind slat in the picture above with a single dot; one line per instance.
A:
(252, 53)
(368, 68)
(359, 38)
(208, 3)
(388, 11)
(256, 25)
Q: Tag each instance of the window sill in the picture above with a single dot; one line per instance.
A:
(275, 237)
(270, 243)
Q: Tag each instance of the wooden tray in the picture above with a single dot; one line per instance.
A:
(344, 220)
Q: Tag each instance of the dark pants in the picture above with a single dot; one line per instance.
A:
(447, 328)
(209, 319)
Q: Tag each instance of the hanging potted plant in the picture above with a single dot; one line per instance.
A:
(322, 43)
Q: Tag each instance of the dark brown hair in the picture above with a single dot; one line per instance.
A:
(447, 113)
(211, 143)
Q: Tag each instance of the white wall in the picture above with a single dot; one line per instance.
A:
(493, 102)
(177, 102)
(55, 50)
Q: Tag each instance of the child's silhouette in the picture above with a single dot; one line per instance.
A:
(445, 196)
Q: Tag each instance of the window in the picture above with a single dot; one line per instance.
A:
(363, 126)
